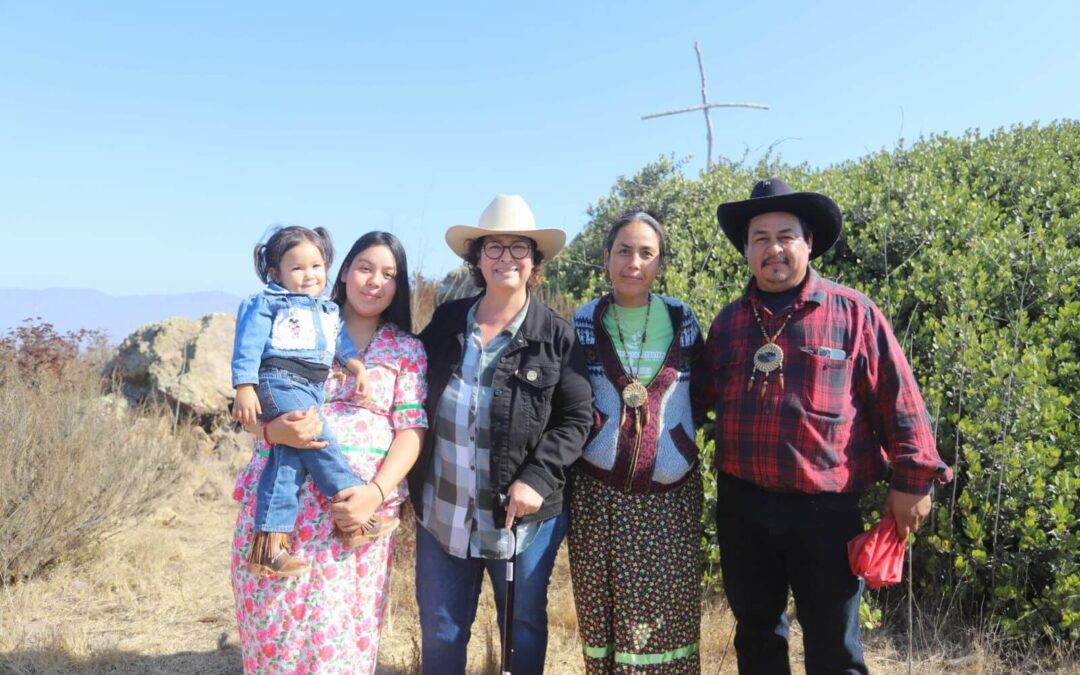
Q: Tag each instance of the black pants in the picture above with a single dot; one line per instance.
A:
(772, 541)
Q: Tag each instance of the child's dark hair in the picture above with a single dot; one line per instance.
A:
(268, 256)
(399, 312)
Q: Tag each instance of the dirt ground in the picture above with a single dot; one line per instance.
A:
(156, 598)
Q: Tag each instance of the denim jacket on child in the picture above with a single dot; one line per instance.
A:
(287, 325)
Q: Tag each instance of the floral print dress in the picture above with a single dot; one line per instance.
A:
(328, 620)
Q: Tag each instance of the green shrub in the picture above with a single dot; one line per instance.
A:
(971, 247)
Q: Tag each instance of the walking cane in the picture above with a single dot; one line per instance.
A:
(508, 608)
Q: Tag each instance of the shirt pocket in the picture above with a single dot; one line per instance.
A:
(730, 375)
(685, 444)
(826, 385)
(535, 384)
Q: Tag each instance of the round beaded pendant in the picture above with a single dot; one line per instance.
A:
(634, 395)
(768, 358)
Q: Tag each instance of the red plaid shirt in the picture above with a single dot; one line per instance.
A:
(849, 409)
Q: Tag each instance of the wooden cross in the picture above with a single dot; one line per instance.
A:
(705, 106)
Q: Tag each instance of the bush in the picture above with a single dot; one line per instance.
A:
(76, 464)
(35, 347)
(971, 247)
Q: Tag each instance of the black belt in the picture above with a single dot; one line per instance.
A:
(315, 372)
(834, 497)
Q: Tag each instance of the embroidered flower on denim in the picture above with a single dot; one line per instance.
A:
(293, 328)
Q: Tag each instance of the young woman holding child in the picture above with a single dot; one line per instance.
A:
(286, 337)
(328, 617)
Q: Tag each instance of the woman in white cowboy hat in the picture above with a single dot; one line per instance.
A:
(511, 407)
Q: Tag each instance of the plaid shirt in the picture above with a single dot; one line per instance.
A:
(849, 407)
(459, 502)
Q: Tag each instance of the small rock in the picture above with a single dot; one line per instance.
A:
(228, 442)
(116, 404)
(165, 516)
(204, 443)
(208, 491)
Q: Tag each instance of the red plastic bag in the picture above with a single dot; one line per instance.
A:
(877, 555)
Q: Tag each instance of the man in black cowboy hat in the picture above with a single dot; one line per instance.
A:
(814, 403)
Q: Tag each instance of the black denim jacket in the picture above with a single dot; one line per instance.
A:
(541, 407)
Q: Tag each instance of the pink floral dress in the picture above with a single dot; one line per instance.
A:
(328, 621)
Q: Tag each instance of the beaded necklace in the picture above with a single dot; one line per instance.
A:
(769, 356)
(634, 394)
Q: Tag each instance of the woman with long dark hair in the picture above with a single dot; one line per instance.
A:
(328, 620)
(635, 514)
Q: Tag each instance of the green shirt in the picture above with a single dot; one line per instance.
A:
(658, 336)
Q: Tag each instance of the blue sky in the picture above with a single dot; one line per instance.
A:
(145, 147)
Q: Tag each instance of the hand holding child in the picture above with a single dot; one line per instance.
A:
(246, 408)
(357, 368)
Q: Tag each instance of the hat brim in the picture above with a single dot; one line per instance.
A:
(549, 241)
(819, 212)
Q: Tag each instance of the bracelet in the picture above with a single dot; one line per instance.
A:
(266, 436)
(382, 495)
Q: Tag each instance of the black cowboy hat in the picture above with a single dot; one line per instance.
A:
(820, 213)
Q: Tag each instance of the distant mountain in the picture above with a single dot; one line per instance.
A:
(74, 308)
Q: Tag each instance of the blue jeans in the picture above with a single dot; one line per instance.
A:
(448, 589)
(281, 391)
(771, 541)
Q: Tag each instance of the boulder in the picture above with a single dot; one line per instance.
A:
(456, 284)
(182, 362)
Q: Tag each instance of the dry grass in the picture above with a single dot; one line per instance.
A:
(76, 464)
(156, 599)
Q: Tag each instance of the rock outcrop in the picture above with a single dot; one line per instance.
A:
(182, 362)
(456, 284)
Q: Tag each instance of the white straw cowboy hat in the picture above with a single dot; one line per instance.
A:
(507, 214)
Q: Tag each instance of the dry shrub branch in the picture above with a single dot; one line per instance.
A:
(77, 463)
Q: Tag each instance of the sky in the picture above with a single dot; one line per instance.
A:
(146, 147)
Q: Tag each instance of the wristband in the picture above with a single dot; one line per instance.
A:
(266, 436)
(382, 495)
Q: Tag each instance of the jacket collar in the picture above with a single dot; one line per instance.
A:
(537, 326)
(274, 288)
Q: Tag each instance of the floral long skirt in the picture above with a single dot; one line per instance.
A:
(327, 621)
(635, 561)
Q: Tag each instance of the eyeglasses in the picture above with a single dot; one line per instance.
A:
(518, 250)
